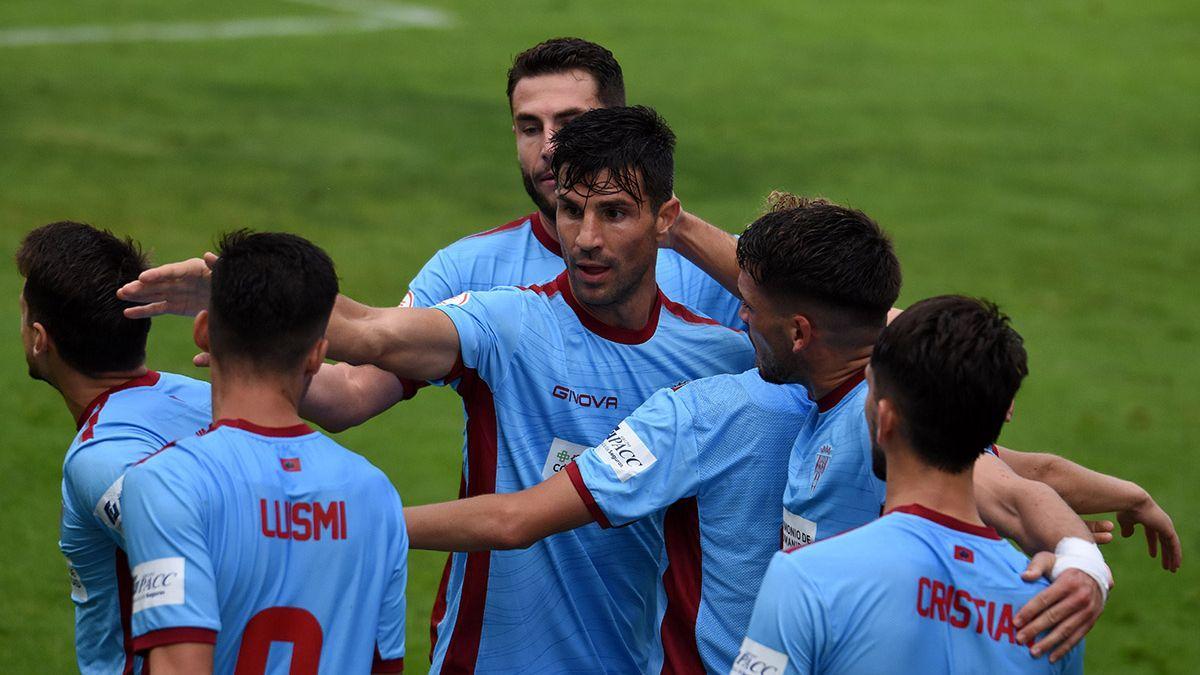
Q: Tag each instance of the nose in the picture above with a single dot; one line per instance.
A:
(590, 237)
(547, 146)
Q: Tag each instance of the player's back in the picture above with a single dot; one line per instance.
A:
(276, 535)
(914, 591)
(119, 428)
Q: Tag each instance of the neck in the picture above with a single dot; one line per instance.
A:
(911, 481)
(79, 390)
(266, 400)
(837, 369)
(633, 312)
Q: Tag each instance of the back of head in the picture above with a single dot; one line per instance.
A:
(951, 365)
(622, 142)
(564, 54)
(814, 250)
(72, 272)
(272, 294)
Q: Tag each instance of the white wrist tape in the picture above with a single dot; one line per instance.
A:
(1085, 556)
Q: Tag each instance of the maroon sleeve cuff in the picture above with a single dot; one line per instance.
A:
(173, 636)
(586, 495)
(382, 665)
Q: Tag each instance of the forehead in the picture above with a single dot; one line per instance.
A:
(602, 188)
(550, 94)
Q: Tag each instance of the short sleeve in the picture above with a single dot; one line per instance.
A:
(94, 476)
(437, 281)
(646, 464)
(490, 325)
(174, 591)
(389, 641)
(786, 627)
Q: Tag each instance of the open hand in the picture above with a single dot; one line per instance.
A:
(175, 288)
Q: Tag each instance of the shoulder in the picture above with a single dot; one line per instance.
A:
(855, 550)
(490, 242)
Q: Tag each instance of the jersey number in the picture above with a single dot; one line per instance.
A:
(280, 624)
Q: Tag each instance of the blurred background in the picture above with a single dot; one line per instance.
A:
(1044, 155)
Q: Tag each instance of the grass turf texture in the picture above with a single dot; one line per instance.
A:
(1045, 156)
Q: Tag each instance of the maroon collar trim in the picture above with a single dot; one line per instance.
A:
(279, 432)
(947, 521)
(543, 235)
(148, 380)
(839, 392)
(625, 336)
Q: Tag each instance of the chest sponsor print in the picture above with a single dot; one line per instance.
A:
(561, 454)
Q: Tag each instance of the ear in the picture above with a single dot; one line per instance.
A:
(887, 422)
(200, 330)
(802, 332)
(668, 213)
(41, 339)
(316, 356)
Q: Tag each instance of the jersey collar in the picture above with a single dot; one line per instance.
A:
(826, 402)
(625, 336)
(279, 432)
(543, 235)
(947, 521)
(148, 380)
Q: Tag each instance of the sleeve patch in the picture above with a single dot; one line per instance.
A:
(460, 299)
(158, 582)
(625, 452)
(561, 454)
(797, 531)
(408, 300)
(79, 591)
(108, 509)
(758, 659)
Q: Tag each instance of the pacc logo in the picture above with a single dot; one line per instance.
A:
(758, 659)
(583, 400)
(158, 582)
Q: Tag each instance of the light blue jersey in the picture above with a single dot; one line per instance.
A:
(542, 380)
(523, 252)
(120, 428)
(831, 487)
(279, 546)
(722, 444)
(913, 592)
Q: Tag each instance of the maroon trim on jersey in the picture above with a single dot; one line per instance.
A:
(410, 387)
(165, 447)
(482, 435)
(277, 432)
(511, 225)
(586, 495)
(682, 579)
(382, 665)
(839, 392)
(947, 521)
(542, 234)
(624, 336)
(173, 636)
(688, 315)
(147, 380)
(125, 602)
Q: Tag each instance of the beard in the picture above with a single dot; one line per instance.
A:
(538, 198)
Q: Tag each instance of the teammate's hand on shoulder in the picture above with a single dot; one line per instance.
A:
(175, 288)
(1101, 530)
(1065, 612)
(1160, 531)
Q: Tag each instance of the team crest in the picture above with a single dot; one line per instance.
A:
(823, 455)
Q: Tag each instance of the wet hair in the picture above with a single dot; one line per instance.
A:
(272, 294)
(951, 365)
(625, 142)
(567, 53)
(72, 272)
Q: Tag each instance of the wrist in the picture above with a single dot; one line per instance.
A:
(1085, 556)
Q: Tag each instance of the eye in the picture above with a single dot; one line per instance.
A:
(571, 210)
(613, 213)
(530, 130)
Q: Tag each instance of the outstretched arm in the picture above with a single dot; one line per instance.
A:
(411, 342)
(490, 522)
(341, 396)
(1088, 491)
(708, 247)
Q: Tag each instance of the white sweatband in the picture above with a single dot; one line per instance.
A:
(1085, 556)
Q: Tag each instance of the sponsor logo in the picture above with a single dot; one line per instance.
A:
(301, 521)
(460, 299)
(408, 300)
(625, 452)
(79, 592)
(758, 659)
(583, 400)
(108, 509)
(158, 582)
(797, 531)
(824, 454)
(955, 606)
(561, 454)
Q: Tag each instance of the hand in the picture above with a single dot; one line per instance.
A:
(175, 288)
(202, 360)
(1159, 530)
(1101, 530)
(1065, 611)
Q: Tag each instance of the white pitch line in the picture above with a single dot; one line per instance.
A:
(365, 17)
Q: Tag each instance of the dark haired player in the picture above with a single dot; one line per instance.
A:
(927, 588)
(547, 369)
(77, 340)
(261, 531)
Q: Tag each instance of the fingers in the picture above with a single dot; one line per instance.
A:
(202, 360)
(1035, 608)
(210, 259)
(1067, 623)
(1039, 566)
(1070, 642)
(1073, 599)
(1151, 542)
(1172, 552)
(146, 311)
(1128, 527)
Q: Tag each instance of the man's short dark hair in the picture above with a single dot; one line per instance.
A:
(72, 272)
(560, 55)
(951, 365)
(272, 294)
(819, 251)
(625, 142)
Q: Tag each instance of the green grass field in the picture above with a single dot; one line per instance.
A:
(1045, 155)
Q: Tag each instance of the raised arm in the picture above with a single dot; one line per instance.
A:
(341, 396)
(492, 522)
(411, 342)
(708, 247)
(1088, 491)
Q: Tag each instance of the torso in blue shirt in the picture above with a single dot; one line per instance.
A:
(523, 253)
(543, 381)
(913, 592)
(282, 547)
(724, 442)
(831, 487)
(120, 428)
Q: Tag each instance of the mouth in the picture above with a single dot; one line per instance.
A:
(546, 179)
(593, 273)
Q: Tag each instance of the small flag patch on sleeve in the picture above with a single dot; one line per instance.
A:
(964, 554)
